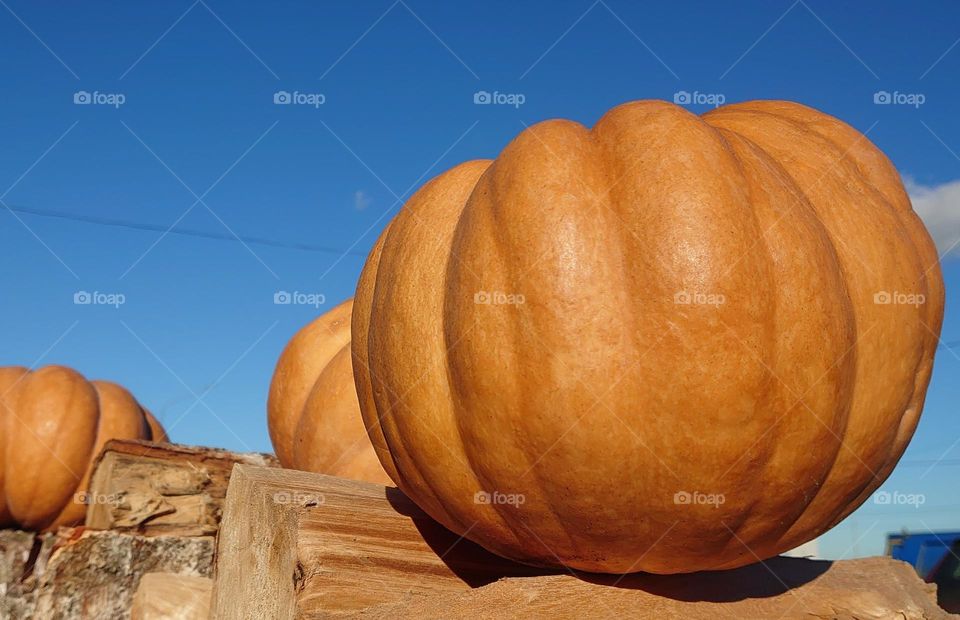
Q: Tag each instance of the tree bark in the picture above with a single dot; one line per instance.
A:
(81, 574)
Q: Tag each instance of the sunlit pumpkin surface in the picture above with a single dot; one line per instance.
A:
(668, 343)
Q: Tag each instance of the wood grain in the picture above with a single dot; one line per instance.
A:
(169, 596)
(297, 544)
(154, 488)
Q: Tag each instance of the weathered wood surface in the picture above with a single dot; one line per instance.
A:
(169, 596)
(157, 488)
(301, 545)
(786, 588)
(297, 544)
(79, 573)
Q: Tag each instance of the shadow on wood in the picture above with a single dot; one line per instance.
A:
(297, 544)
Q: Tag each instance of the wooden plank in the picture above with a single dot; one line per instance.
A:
(787, 588)
(170, 596)
(298, 544)
(158, 488)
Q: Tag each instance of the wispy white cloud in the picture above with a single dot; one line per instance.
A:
(361, 200)
(939, 208)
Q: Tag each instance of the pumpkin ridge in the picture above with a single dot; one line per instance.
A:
(789, 534)
(486, 188)
(916, 238)
(839, 177)
(762, 164)
(77, 478)
(441, 199)
(361, 355)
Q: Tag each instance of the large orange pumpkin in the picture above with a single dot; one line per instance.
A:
(668, 343)
(53, 423)
(312, 410)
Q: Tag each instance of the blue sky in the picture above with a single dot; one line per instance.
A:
(183, 132)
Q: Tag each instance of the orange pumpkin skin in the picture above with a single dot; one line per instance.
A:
(312, 410)
(702, 372)
(54, 422)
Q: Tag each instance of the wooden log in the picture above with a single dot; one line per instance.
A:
(16, 549)
(95, 574)
(782, 587)
(20, 552)
(78, 573)
(156, 488)
(297, 544)
(169, 596)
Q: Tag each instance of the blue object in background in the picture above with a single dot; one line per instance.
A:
(923, 551)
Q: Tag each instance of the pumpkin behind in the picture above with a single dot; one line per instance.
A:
(312, 410)
(53, 423)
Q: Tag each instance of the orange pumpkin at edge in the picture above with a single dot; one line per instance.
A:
(706, 360)
(312, 411)
(53, 423)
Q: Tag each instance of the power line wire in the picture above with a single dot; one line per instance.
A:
(186, 232)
